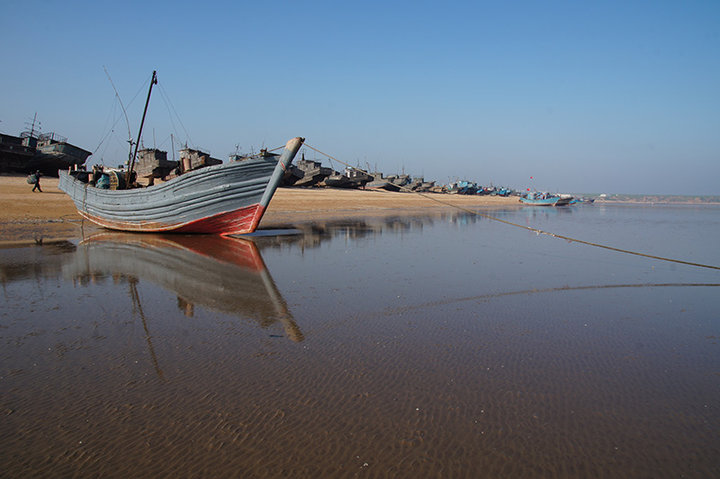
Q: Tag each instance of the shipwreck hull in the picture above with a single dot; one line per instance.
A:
(224, 199)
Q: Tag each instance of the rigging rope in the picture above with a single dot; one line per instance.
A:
(166, 99)
(529, 228)
(124, 112)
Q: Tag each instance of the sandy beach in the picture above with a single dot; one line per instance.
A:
(27, 216)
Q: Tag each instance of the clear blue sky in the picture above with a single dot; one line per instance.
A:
(603, 97)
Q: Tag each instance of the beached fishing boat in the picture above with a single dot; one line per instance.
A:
(583, 200)
(31, 151)
(201, 195)
(462, 188)
(358, 178)
(225, 199)
(337, 180)
(378, 182)
(545, 199)
(349, 178)
(307, 173)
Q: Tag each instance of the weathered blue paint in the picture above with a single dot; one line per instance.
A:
(545, 199)
(222, 199)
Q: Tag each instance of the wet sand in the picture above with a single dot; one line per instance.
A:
(30, 216)
(387, 346)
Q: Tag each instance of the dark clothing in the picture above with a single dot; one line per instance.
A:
(37, 182)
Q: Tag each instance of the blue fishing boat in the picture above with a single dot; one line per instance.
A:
(462, 188)
(536, 198)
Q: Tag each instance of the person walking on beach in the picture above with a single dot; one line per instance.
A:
(37, 182)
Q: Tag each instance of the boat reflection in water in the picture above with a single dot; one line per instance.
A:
(220, 273)
(313, 235)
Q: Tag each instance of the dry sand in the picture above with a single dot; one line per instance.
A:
(51, 215)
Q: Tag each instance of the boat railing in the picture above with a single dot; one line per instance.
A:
(52, 136)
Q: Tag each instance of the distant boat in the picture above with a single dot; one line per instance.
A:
(536, 198)
(584, 200)
(419, 184)
(307, 173)
(358, 178)
(462, 188)
(47, 152)
(378, 182)
(349, 178)
(399, 181)
(337, 180)
(502, 191)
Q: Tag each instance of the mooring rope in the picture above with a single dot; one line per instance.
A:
(528, 228)
(489, 296)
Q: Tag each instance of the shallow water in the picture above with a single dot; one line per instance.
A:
(446, 346)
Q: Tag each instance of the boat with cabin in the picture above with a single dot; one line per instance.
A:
(537, 198)
(197, 196)
(33, 151)
(307, 173)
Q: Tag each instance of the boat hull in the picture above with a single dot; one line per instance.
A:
(553, 201)
(27, 155)
(223, 199)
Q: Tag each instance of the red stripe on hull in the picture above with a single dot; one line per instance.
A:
(240, 221)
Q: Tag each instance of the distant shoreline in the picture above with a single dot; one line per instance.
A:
(660, 199)
(26, 216)
(609, 198)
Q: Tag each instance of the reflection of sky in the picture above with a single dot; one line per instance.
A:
(440, 327)
(461, 256)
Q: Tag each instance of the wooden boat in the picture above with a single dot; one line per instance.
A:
(309, 173)
(337, 180)
(462, 188)
(225, 199)
(379, 182)
(545, 199)
(206, 197)
(349, 178)
(358, 178)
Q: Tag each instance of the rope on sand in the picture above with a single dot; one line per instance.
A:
(529, 228)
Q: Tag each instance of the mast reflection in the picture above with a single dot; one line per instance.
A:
(222, 274)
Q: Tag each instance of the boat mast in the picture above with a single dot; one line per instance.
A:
(142, 122)
(32, 128)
